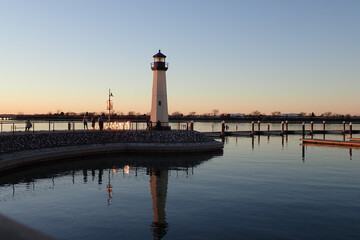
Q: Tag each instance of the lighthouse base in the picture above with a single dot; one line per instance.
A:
(161, 128)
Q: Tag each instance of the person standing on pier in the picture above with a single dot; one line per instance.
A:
(85, 123)
(101, 123)
(28, 125)
(93, 123)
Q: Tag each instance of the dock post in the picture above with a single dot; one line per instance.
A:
(350, 129)
(252, 128)
(268, 127)
(259, 126)
(49, 126)
(303, 129)
(192, 126)
(343, 127)
(324, 126)
(222, 127)
(311, 127)
(282, 127)
(287, 127)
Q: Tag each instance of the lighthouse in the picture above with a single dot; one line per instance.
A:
(159, 109)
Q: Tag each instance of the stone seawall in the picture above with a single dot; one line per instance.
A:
(40, 140)
(29, 148)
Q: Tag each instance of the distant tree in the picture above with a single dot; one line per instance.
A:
(192, 113)
(62, 113)
(215, 112)
(131, 113)
(176, 114)
(326, 114)
(255, 113)
(302, 114)
(276, 113)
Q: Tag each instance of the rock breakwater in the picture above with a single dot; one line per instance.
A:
(43, 140)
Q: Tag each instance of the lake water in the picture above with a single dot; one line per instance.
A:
(261, 188)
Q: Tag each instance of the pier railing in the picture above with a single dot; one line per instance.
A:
(218, 128)
(51, 125)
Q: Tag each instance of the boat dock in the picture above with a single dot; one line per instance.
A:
(333, 143)
(281, 133)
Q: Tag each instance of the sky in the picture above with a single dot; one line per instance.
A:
(235, 56)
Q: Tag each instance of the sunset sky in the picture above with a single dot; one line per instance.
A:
(234, 56)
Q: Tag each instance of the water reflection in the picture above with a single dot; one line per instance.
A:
(284, 141)
(158, 186)
(157, 167)
(305, 145)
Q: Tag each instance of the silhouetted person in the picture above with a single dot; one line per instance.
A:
(93, 123)
(148, 126)
(85, 123)
(28, 125)
(158, 125)
(101, 123)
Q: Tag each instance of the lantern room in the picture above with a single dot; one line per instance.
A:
(159, 62)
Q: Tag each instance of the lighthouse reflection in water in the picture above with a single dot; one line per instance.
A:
(119, 196)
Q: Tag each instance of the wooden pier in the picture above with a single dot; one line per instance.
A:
(333, 143)
(281, 133)
(354, 139)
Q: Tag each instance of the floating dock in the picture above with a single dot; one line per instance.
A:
(333, 143)
(280, 133)
(354, 139)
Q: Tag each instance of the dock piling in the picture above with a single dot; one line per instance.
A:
(303, 129)
(350, 129)
(222, 127)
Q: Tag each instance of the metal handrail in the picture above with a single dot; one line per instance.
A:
(53, 126)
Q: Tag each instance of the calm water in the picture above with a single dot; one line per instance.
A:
(267, 188)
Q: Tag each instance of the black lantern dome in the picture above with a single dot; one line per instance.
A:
(159, 62)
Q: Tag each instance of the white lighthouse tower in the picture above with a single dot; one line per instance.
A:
(159, 107)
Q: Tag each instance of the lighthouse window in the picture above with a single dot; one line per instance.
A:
(159, 103)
